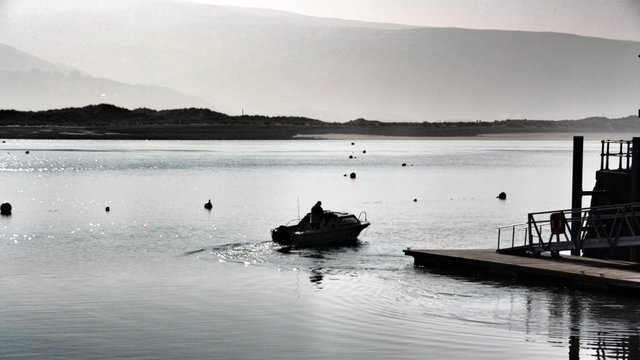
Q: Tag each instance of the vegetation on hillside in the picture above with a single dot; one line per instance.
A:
(109, 121)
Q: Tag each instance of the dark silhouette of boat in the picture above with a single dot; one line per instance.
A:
(337, 228)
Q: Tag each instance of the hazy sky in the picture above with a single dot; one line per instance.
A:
(345, 75)
(619, 19)
(616, 19)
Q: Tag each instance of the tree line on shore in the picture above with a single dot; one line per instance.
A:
(109, 121)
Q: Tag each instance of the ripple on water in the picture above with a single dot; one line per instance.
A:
(406, 306)
(350, 295)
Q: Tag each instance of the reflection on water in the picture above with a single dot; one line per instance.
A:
(589, 339)
(606, 346)
(316, 276)
(589, 324)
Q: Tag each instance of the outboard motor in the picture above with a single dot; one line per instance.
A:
(281, 235)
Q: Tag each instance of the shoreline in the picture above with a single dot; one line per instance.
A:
(72, 133)
(515, 136)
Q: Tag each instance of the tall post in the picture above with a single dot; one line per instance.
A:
(576, 191)
(635, 167)
(635, 170)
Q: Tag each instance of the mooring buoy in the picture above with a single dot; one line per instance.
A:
(5, 209)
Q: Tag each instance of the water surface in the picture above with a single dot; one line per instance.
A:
(160, 277)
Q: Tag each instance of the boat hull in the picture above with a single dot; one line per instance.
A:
(340, 229)
(319, 238)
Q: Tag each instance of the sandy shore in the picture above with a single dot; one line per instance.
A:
(504, 136)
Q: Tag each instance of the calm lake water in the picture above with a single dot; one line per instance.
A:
(159, 277)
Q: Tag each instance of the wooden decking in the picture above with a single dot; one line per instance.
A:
(567, 269)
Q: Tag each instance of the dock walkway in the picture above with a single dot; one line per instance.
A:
(569, 270)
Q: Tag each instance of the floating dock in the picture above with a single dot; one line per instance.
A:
(566, 270)
(608, 229)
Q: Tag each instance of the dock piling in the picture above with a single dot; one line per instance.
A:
(576, 189)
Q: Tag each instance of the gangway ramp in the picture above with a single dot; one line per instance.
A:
(573, 229)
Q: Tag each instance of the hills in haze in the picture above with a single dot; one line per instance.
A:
(273, 63)
(28, 82)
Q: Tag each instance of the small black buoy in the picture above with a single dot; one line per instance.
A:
(364, 151)
(208, 205)
(5, 209)
(350, 156)
(415, 200)
(345, 175)
(26, 152)
(107, 209)
(502, 196)
(353, 175)
(353, 143)
(404, 164)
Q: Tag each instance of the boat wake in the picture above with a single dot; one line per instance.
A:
(246, 253)
(270, 254)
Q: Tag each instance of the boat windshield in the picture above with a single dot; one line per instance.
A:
(348, 220)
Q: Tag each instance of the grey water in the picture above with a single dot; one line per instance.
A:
(160, 277)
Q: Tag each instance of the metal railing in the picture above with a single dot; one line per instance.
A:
(592, 227)
(512, 230)
(623, 153)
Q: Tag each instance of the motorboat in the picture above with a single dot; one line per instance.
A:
(336, 228)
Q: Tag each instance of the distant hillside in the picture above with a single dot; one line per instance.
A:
(14, 60)
(110, 122)
(28, 82)
(272, 63)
